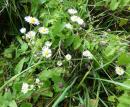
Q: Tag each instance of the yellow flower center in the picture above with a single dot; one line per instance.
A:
(32, 20)
(46, 52)
(43, 30)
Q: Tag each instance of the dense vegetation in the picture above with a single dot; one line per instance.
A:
(64, 53)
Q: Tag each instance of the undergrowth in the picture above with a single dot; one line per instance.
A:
(65, 53)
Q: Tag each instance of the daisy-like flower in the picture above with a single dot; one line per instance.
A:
(37, 81)
(87, 54)
(32, 20)
(68, 26)
(119, 70)
(72, 11)
(48, 43)
(74, 18)
(59, 63)
(77, 19)
(46, 52)
(80, 21)
(23, 30)
(43, 30)
(25, 88)
(68, 57)
(30, 35)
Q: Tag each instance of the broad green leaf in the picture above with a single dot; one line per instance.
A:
(25, 104)
(69, 40)
(50, 73)
(47, 93)
(124, 2)
(24, 47)
(124, 59)
(112, 98)
(123, 21)
(77, 42)
(13, 104)
(114, 4)
(8, 53)
(19, 66)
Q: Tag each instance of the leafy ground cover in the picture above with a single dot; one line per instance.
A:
(64, 53)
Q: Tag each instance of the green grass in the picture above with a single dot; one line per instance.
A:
(78, 82)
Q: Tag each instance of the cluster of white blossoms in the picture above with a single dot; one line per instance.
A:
(72, 11)
(26, 87)
(46, 51)
(32, 20)
(30, 35)
(68, 26)
(87, 54)
(75, 18)
(119, 70)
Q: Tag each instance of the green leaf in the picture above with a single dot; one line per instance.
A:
(112, 98)
(58, 83)
(69, 40)
(57, 27)
(19, 66)
(123, 21)
(124, 2)
(114, 4)
(50, 73)
(24, 47)
(13, 104)
(77, 42)
(26, 105)
(9, 51)
(124, 59)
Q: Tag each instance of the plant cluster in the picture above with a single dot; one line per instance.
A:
(63, 57)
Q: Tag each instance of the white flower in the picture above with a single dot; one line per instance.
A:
(68, 26)
(72, 11)
(48, 43)
(25, 88)
(37, 81)
(32, 20)
(77, 19)
(23, 30)
(30, 35)
(80, 21)
(46, 52)
(59, 63)
(68, 57)
(74, 18)
(119, 70)
(43, 30)
(87, 54)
